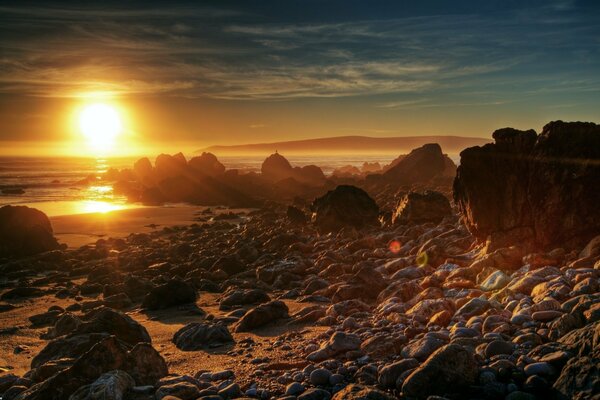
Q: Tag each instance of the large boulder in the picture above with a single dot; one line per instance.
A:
(198, 335)
(25, 231)
(142, 169)
(276, 167)
(416, 207)
(345, 206)
(450, 369)
(172, 293)
(538, 190)
(262, 315)
(421, 165)
(207, 164)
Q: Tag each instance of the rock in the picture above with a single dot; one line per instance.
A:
(13, 392)
(315, 394)
(345, 206)
(172, 293)
(106, 320)
(231, 264)
(495, 281)
(381, 346)
(198, 335)
(320, 377)
(580, 378)
(473, 308)
(25, 231)
(422, 348)
(294, 389)
(262, 315)
(109, 386)
(423, 207)
(181, 390)
(118, 301)
(22, 291)
(388, 375)
(360, 392)
(296, 216)
(539, 368)
(449, 369)
(243, 297)
(145, 364)
(421, 165)
(276, 168)
(230, 391)
(167, 166)
(498, 347)
(72, 346)
(207, 164)
(541, 182)
(142, 168)
(339, 342)
(546, 316)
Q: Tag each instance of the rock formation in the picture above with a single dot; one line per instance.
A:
(422, 207)
(208, 164)
(25, 231)
(419, 166)
(538, 190)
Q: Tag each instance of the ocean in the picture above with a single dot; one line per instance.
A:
(51, 184)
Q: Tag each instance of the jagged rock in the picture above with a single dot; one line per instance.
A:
(580, 378)
(296, 216)
(262, 315)
(450, 369)
(207, 164)
(198, 335)
(421, 165)
(346, 206)
(416, 207)
(25, 231)
(109, 386)
(544, 194)
(172, 293)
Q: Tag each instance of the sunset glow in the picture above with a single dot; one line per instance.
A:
(101, 124)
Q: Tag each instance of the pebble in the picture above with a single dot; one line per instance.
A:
(539, 368)
(294, 389)
(497, 347)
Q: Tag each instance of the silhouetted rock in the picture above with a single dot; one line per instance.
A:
(167, 166)
(276, 167)
(296, 216)
(172, 293)
(25, 231)
(310, 175)
(346, 206)
(534, 190)
(208, 164)
(419, 166)
(142, 168)
(422, 207)
(346, 171)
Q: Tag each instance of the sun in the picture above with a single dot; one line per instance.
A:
(101, 124)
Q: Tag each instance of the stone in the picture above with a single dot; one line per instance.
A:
(546, 316)
(25, 231)
(262, 315)
(276, 168)
(172, 293)
(536, 189)
(495, 281)
(206, 164)
(423, 207)
(320, 377)
(473, 307)
(422, 348)
(345, 206)
(243, 297)
(315, 394)
(339, 342)
(230, 391)
(389, 374)
(106, 320)
(449, 369)
(199, 335)
(421, 165)
(539, 368)
(181, 390)
(145, 364)
(294, 389)
(231, 264)
(580, 378)
(109, 386)
(361, 392)
(498, 347)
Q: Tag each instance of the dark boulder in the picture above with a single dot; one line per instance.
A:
(421, 165)
(198, 335)
(276, 167)
(25, 231)
(416, 207)
(142, 169)
(207, 164)
(167, 166)
(295, 215)
(106, 320)
(172, 293)
(345, 206)
(538, 190)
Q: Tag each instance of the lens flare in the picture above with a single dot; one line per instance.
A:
(395, 246)
(422, 259)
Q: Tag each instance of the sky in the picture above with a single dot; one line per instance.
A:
(193, 74)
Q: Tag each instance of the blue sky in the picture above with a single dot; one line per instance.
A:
(291, 69)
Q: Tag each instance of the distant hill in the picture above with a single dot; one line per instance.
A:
(351, 144)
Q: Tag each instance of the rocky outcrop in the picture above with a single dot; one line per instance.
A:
(25, 231)
(207, 164)
(276, 167)
(416, 207)
(421, 165)
(537, 190)
(345, 206)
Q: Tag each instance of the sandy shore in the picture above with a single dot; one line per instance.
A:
(79, 229)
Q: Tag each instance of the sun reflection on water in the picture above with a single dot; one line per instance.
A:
(96, 206)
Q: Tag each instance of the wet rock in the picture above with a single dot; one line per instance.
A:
(450, 369)
(172, 293)
(109, 386)
(416, 207)
(537, 189)
(262, 315)
(199, 335)
(25, 231)
(346, 206)
(360, 392)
